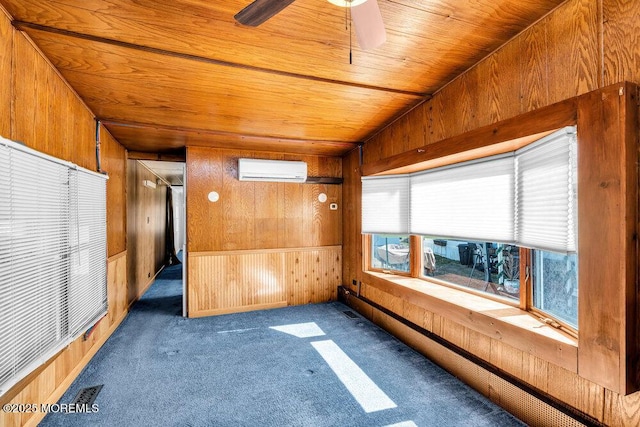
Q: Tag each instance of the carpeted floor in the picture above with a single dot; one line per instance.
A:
(237, 370)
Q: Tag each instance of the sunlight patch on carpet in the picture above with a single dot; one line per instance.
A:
(300, 330)
(361, 387)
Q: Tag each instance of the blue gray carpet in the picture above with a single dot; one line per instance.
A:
(236, 370)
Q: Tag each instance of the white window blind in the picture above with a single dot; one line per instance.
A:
(88, 248)
(470, 201)
(527, 197)
(42, 293)
(546, 214)
(385, 204)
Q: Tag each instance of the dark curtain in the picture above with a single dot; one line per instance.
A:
(170, 257)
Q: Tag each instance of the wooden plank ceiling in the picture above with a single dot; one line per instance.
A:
(162, 74)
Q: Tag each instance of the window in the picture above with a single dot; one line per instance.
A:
(478, 219)
(487, 267)
(555, 285)
(52, 257)
(389, 252)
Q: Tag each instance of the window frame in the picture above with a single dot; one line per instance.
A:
(369, 254)
(550, 144)
(524, 302)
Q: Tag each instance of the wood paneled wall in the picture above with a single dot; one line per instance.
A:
(582, 46)
(113, 157)
(146, 221)
(228, 282)
(258, 215)
(251, 248)
(40, 110)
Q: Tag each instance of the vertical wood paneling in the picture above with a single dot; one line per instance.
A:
(24, 91)
(608, 196)
(146, 209)
(114, 162)
(117, 290)
(621, 410)
(351, 237)
(226, 282)
(237, 198)
(205, 225)
(621, 41)
(312, 276)
(258, 215)
(507, 358)
(293, 216)
(535, 372)
(433, 117)
(372, 153)
(41, 96)
(268, 202)
(6, 49)
(388, 147)
(535, 56)
(574, 50)
(455, 101)
(416, 127)
(478, 344)
(500, 94)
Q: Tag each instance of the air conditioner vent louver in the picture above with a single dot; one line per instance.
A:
(271, 170)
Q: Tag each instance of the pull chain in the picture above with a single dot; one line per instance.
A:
(350, 45)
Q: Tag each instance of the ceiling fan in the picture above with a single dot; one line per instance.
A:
(365, 15)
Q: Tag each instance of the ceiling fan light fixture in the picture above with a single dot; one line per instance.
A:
(346, 3)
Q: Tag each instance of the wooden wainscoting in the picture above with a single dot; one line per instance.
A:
(234, 281)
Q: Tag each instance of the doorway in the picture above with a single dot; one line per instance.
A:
(172, 176)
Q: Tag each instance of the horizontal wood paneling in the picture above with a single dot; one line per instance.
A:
(167, 140)
(325, 101)
(184, 95)
(183, 28)
(225, 282)
(258, 215)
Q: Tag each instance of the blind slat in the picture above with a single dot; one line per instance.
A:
(36, 278)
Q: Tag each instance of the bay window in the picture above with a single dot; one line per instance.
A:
(486, 226)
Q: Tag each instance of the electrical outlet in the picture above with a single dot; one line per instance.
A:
(354, 282)
(333, 206)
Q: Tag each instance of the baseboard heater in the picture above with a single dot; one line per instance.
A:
(345, 295)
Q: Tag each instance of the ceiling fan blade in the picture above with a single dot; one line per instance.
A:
(369, 26)
(259, 11)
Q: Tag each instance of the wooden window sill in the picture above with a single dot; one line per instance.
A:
(500, 321)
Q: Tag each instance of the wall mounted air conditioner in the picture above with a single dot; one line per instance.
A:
(271, 170)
